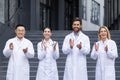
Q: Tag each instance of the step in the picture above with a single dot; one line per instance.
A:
(37, 36)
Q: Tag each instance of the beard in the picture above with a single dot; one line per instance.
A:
(76, 29)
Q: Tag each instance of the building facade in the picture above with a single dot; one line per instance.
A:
(57, 14)
(112, 14)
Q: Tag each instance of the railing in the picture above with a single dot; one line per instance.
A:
(6, 25)
(6, 30)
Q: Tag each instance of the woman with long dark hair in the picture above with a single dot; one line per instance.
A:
(48, 52)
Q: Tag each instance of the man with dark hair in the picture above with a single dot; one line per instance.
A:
(18, 49)
(19, 25)
(76, 46)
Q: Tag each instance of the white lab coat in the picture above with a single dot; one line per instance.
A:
(105, 66)
(18, 65)
(47, 69)
(76, 67)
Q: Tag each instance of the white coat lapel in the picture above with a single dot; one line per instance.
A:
(74, 38)
(79, 38)
(18, 45)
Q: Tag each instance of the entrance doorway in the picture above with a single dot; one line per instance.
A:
(71, 11)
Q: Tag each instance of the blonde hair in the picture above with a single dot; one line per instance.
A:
(108, 33)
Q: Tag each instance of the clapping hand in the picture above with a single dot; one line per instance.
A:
(54, 45)
(96, 46)
(11, 46)
(106, 48)
(44, 44)
(79, 45)
(71, 41)
(25, 50)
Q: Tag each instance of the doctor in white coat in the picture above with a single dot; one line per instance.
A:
(18, 50)
(76, 46)
(105, 52)
(48, 52)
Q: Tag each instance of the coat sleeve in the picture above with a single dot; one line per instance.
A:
(56, 52)
(30, 53)
(85, 47)
(112, 50)
(94, 53)
(40, 52)
(66, 46)
(7, 51)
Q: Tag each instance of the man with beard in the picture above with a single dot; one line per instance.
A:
(76, 46)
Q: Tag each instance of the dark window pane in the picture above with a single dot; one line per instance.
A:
(95, 13)
(84, 9)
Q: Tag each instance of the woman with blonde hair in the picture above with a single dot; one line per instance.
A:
(105, 52)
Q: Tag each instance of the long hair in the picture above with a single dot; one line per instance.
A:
(108, 33)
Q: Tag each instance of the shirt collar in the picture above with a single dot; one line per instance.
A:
(49, 41)
(77, 33)
(104, 41)
(19, 39)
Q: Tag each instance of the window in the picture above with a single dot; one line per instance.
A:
(95, 13)
(71, 11)
(84, 9)
(68, 14)
(44, 13)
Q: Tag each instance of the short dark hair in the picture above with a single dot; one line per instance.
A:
(45, 28)
(77, 19)
(19, 25)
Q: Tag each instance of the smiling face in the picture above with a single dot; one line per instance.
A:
(20, 32)
(103, 33)
(76, 26)
(47, 33)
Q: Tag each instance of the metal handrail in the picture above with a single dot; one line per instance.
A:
(9, 21)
